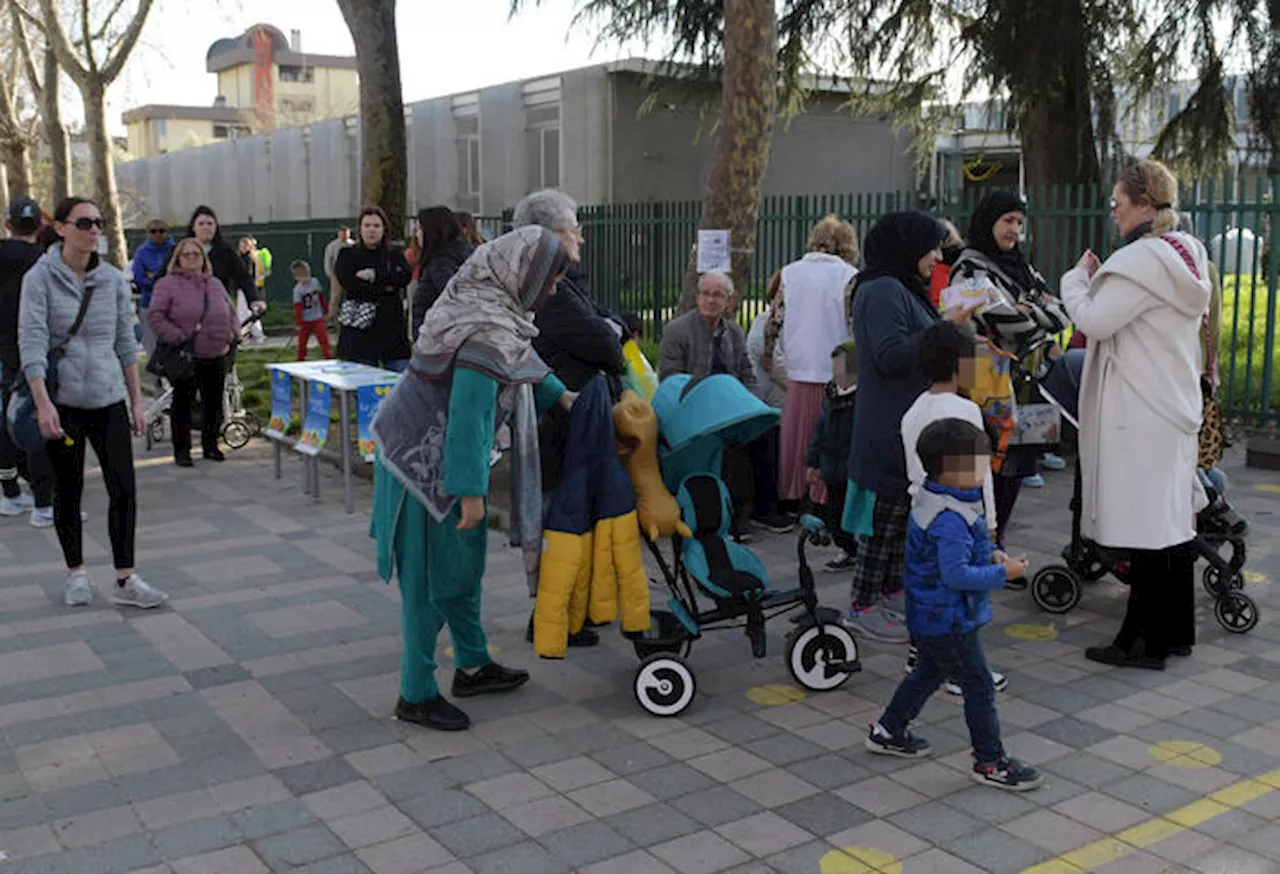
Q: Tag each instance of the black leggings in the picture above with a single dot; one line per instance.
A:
(107, 431)
(210, 379)
(32, 465)
(1007, 489)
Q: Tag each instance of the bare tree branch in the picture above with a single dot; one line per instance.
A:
(106, 23)
(124, 46)
(87, 36)
(57, 36)
(24, 48)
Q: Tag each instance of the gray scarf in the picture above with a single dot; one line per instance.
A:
(483, 320)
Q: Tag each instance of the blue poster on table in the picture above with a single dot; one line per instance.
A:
(315, 429)
(367, 399)
(281, 404)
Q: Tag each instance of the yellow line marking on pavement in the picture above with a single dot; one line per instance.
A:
(775, 695)
(1153, 831)
(1028, 631)
(1185, 754)
(1255, 577)
(1269, 487)
(859, 860)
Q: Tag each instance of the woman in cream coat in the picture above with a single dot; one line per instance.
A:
(1140, 409)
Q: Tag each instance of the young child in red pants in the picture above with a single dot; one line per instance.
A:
(309, 310)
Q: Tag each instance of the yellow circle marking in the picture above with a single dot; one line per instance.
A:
(494, 649)
(1031, 632)
(1254, 577)
(1185, 754)
(1269, 487)
(775, 696)
(859, 860)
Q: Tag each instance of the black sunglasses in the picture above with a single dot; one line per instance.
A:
(85, 223)
(157, 230)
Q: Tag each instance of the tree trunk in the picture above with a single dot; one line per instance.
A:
(384, 175)
(17, 160)
(55, 131)
(4, 184)
(1056, 124)
(744, 136)
(104, 169)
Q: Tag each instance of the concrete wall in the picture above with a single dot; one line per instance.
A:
(665, 154)
(288, 175)
(609, 154)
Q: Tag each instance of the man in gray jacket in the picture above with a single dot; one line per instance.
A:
(702, 342)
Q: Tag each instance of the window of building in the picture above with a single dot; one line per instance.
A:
(160, 126)
(543, 146)
(297, 74)
(468, 155)
(221, 132)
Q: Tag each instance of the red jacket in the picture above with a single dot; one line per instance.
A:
(176, 305)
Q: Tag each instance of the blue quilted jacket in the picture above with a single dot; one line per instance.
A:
(948, 570)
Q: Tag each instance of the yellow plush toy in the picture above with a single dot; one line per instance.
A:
(636, 427)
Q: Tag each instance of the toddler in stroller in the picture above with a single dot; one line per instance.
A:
(1058, 588)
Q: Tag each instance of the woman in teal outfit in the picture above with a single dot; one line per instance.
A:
(473, 369)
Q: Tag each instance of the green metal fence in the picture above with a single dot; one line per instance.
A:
(636, 256)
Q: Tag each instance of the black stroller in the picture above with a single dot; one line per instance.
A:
(1058, 588)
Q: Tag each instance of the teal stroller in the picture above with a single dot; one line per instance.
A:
(714, 582)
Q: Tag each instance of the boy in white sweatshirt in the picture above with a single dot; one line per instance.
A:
(946, 356)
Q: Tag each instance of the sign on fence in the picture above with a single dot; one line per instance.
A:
(713, 251)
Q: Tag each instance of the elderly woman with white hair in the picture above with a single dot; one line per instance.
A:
(577, 338)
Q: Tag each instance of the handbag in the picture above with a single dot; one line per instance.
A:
(358, 314)
(21, 417)
(176, 362)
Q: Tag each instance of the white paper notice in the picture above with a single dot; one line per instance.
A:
(713, 251)
(970, 294)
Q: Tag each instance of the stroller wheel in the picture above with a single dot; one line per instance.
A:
(1236, 612)
(155, 433)
(820, 656)
(664, 685)
(1055, 589)
(236, 435)
(253, 423)
(1211, 579)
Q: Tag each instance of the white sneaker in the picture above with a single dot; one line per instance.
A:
(999, 680)
(17, 506)
(78, 591)
(42, 517)
(137, 592)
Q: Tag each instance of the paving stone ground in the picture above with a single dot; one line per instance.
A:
(244, 728)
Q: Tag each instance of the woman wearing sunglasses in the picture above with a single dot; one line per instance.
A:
(76, 327)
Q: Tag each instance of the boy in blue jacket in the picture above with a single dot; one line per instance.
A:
(949, 572)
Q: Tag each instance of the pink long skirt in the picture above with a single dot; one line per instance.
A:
(799, 414)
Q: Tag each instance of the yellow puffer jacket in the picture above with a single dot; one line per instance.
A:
(592, 563)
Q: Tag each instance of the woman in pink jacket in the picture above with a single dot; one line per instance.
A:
(189, 301)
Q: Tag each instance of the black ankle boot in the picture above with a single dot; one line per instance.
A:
(436, 713)
(489, 680)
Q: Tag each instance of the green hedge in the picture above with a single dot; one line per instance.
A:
(1243, 345)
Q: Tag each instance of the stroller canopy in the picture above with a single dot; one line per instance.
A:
(697, 418)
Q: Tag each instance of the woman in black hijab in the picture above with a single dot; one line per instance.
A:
(891, 308)
(1025, 316)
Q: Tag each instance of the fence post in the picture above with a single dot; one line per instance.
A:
(1273, 286)
(657, 256)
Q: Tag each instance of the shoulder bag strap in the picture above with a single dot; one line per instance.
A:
(80, 314)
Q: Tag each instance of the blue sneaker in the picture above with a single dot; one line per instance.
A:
(904, 746)
(1049, 461)
(1009, 774)
(1036, 481)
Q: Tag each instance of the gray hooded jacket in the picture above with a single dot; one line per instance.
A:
(90, 375)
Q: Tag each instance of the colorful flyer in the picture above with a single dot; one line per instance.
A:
(367, 399)
(281, 404)
(315, 429)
